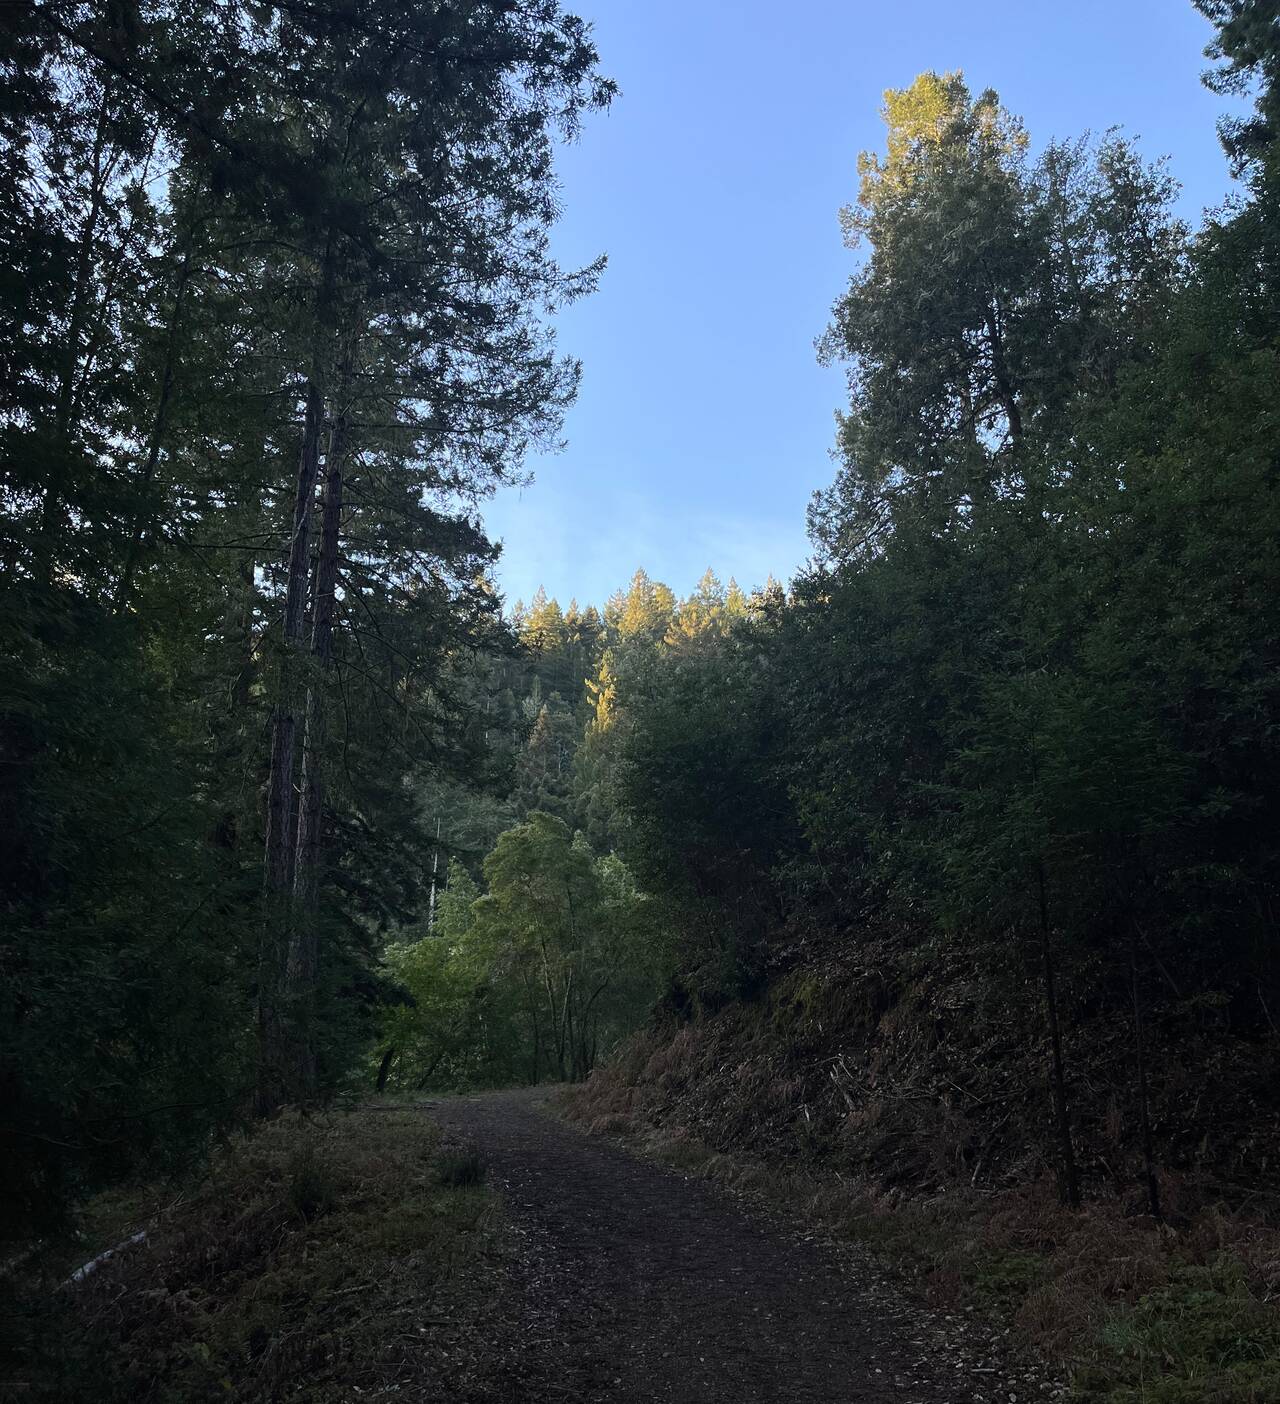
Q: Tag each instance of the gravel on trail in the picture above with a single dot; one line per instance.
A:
(641, 1285)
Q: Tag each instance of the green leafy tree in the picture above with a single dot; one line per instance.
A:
(570, 923)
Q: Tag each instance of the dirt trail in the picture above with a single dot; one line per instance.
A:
(654, 1287)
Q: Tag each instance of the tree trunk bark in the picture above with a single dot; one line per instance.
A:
(1140, 1057)
(566, 1033)
(51, 508)
(278, 875)
(1004, 390)
(155, 440)
(304, 944)
(537, 1033)
(555, 1021)
(1069, 1182)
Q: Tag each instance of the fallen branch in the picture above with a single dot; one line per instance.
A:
(95, 1263)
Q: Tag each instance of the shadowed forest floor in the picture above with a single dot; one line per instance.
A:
(475, 1250)
(667, 1289)
(484, 1250)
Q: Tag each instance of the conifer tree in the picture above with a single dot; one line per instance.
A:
(275, 311)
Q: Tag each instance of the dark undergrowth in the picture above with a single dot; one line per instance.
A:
(1133, 1312)
(319, 1259)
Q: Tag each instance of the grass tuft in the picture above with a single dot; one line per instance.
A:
(460, 1170)
(312, 1189)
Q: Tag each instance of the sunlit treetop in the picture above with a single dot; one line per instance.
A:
(936, 120)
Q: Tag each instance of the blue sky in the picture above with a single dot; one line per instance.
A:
(704, 422)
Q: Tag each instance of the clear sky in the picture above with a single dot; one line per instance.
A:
(704, 422)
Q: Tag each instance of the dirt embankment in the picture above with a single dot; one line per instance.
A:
(907, 1069)
(895, 1106)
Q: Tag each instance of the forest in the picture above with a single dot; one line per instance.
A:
(983, 804)
(274, 318)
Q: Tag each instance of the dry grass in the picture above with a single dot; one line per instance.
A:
(303, 1266)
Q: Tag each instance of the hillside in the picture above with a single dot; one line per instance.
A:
(874, 1093)
(897, 1066)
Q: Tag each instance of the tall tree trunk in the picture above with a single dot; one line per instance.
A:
(531, 992)
(278, 866)
(1069, 1175)
(555, 1021)
(566, 1033)
(1004, 390)
(143, 518)
(1144, 1107)
(52, 519)
(304, 944)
